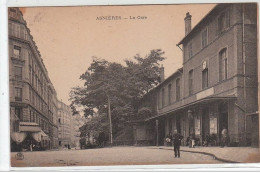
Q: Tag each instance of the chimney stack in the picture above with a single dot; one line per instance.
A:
(161, 73)
(187, 20)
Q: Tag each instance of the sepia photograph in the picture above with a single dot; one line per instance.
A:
(111, 85)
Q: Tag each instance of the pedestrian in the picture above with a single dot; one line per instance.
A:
(169, 139)
(176, 143)
(192, 138)
(224, 137)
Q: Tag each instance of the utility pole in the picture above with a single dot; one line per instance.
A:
(110, 122)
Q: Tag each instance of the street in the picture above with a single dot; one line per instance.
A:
(108, 156)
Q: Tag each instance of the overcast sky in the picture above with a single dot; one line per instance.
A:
(68, 37)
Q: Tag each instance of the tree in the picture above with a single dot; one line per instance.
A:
(124, 85)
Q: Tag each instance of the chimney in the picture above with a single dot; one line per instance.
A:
(187, 20)
(161, 73)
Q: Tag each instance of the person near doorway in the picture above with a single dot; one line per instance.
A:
(224, 137)
(176, 143)
(169, 139)
(192, 140)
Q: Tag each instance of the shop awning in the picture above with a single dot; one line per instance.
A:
(44, 136)
(29, 127)
(207, 99)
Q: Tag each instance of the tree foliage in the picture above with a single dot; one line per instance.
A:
(123, 84)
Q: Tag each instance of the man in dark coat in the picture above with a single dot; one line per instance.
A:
(176, 143)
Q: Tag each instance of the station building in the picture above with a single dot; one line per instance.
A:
(216, 87)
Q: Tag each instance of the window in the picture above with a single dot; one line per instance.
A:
(18, 73)
(178, 89)
(163, 93)
(170, 125)
(204, 38)
(169, 93)
(13, 10)
(190, 82)
(190, 50)
(205, 78)
(223, 21)
(18, 112)
(17, 51)
(223, 65)
(18, 94)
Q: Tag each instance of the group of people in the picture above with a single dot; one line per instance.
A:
(176, 138)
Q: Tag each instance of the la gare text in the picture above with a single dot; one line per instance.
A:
(121, 18)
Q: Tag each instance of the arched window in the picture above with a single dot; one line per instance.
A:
(169, 93)
(223, 64)
(178, 89)
(163, 97)
(190, 82)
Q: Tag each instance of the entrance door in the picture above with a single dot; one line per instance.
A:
(205, 123)
(178, 124)
(161, 131)
(223, 117)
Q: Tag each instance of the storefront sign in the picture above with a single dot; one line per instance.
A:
(205, 93)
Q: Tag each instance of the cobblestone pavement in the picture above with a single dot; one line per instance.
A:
(108, 156)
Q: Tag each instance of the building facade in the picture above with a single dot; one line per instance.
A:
(216, 88)
(65, 126)
(31, 91)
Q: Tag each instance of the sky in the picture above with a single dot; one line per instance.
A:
(68, 37)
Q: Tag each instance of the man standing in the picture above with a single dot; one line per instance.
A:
(177, 142)
(224, 134)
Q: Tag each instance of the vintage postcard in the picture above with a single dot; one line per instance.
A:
(133, 85)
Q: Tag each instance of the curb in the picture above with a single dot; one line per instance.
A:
(205, 153)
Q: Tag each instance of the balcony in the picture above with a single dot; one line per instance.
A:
(18, 99)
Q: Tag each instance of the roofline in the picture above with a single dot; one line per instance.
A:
(190, 104)
(199, 23)
(179, 70)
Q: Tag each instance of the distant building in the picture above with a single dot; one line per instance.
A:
(32, 95)
(217, 86)
(79, 121)
(65, 125)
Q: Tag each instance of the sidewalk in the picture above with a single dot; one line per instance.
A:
(226, 154)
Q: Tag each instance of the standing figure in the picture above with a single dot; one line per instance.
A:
(176, 143)
(169, 139)
(224, 135)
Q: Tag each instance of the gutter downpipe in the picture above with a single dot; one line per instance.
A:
(244, 68)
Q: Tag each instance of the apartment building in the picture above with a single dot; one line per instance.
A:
(32, 95)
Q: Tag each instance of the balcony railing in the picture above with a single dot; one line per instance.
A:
(18, 98)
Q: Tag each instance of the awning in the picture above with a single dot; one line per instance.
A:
(44, 136)
(206, 99)
(18, 137)
(29, 127)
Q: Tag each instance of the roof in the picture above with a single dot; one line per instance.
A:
(180, 70)
(213, 98)
(205, 18)
(28, 124)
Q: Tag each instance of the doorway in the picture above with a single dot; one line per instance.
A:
(178, 124)
(205, 123)
(223, 117)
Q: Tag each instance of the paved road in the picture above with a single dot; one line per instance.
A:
(108, 156)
